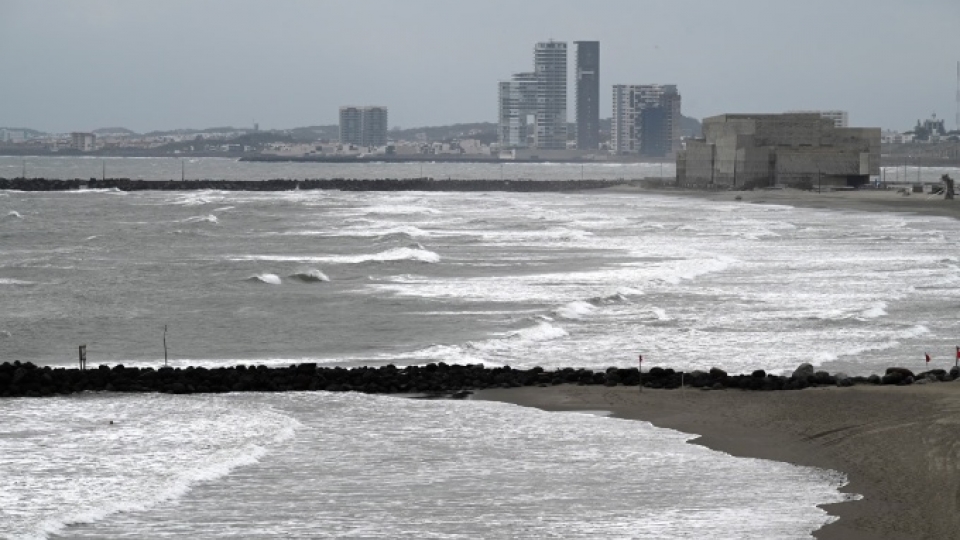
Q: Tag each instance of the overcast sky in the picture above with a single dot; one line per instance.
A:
(145, 65)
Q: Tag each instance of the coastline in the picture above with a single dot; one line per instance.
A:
(858, 200)
(897, 445)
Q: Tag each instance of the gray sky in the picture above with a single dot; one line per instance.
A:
(166, 64)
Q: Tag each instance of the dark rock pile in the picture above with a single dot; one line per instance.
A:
(17, 379)
(341, 184)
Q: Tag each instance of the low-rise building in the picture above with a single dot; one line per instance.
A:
(84, 142)
(774, 150)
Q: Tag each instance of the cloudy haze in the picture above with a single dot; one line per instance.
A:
(162, 65)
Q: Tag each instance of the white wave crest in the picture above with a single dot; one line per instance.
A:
(269, 279)
(310, 276)
(878, 310)
(575, 310)
(541, 332)
(13, 214)
(201, 219)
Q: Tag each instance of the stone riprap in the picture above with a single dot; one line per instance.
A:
(340, 184)
(27, 380)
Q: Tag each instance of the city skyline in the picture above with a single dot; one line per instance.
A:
(154, 66)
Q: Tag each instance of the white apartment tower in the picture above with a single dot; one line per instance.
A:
(646, 120)
(533, 105)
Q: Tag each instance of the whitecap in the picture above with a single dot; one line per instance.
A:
(541, 332)
(13, 214)
(575, 310)
(201, 219)
(269, 279)
(392, 255)
(310, 276)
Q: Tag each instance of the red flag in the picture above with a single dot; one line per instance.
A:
(928, 357)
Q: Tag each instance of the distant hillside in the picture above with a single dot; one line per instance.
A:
(114, 131)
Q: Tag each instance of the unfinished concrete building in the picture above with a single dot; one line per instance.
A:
(804, 150)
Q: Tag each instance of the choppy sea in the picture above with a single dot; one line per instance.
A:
(575, 279)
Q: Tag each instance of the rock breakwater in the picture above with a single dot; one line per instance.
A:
(340, 184)
(28, 380)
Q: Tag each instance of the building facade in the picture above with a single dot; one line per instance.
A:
(841, 119)
(805, 150)
(363, 126)
(533, 105)
(550, 66)
(84, 142)
(588, 95)
(646, 120)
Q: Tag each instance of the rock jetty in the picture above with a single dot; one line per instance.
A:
(340, 184)
(28, 380)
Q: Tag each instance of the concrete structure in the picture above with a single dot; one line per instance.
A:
(84, 142)
(588, 95)
(774, 150)
(646, 120)
(363, 126)
(550, 67)
(841, 119)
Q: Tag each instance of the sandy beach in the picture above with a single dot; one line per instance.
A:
(899, 446)
(867, 200)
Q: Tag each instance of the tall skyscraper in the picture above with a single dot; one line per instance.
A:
(533, 105)
(646, 120)
(550, 67)
(518, 106)
(588, 95)
(363, 126)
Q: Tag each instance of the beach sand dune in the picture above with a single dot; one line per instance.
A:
(899, 446)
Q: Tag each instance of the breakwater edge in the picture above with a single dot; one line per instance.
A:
(440, 379)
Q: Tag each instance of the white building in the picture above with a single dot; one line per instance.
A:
(646, 120)
(518, 107)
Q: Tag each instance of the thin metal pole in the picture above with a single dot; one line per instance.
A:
(24, 169)
(181, 177)
(103, 174)
(164, 345)
(640, 371)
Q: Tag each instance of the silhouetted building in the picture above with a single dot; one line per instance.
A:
(646, 120)
(363, 126)
(588, 95)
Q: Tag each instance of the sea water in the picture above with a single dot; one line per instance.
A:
(578, 279)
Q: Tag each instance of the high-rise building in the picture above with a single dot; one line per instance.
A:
(533, 105)
(646, 120)
(550, 66)
(374, 126)
(85, 142)
(518, 106)
(363, 126)
(588, 95)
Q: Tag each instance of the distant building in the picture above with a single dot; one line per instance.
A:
(10, 135)
(84, 142)
(588, 95)
(363, 126)
(770, 150)
(840, 118)
(518, 108)
(533, 105)
(646, 120)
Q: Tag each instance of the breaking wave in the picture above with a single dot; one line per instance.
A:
(13, 214)
(269, 279)
(310, 276)
(201, 219)
(575, 310)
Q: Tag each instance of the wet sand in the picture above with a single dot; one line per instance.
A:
(899, 446)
